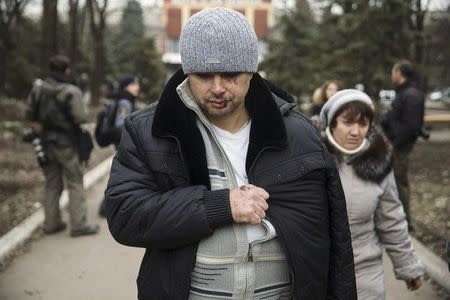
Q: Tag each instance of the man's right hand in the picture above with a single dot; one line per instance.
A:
(248, 204)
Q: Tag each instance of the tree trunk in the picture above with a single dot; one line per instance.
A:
(3, 58)
(419, 16)
(49, 29)
(97, 16)
(10, 12)
(6, 49)
(74, 33)
(83, 28)
(98, 70)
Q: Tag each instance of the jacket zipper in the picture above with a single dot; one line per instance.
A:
(249, 256)
(265, 239)
(206, 123)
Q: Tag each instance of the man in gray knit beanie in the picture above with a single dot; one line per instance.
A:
(226, 186)
(218, 40)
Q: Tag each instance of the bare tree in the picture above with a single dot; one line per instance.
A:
(437, 48)
(74, 49)
(10, 12)
(49, 45)
(416, 24)
(97, 16)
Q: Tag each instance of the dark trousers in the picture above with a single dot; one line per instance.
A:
(401, 165)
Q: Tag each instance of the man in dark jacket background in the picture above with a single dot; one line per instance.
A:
(403, 124)
(228, 188)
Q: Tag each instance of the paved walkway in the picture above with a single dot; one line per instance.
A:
(441, 135)
(96, 268)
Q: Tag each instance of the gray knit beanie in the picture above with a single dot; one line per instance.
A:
(218, 40)
(337, 100)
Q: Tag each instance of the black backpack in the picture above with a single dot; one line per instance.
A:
(54, 115)
(106, 133)
(51, 113)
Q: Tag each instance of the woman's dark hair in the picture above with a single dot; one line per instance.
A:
(355, 111)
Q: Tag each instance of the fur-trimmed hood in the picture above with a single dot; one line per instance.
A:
(373, 163)
(265, 104)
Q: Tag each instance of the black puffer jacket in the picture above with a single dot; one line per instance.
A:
(158, 195)
(403, 123)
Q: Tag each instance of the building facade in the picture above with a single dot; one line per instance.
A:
(176, 12)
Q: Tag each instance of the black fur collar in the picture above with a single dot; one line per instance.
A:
(372, 164)
(173, 118)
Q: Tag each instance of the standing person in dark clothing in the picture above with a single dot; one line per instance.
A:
(57, 105)
(125, 97)
(403, 124)
(128, 91)
(228, 188)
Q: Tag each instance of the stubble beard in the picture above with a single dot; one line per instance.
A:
(209, 110)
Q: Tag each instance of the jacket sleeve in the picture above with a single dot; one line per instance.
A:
(407, 121)
(392, 228)
(140, 214)
(341, 278)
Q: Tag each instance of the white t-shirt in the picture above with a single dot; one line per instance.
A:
(235, 146)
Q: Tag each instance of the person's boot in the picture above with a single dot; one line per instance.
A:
(88, 229)
(61, 227)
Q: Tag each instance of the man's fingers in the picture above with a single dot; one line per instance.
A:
(258, 198)
(263, 205)
(259, 212)
(265, 194)
(262, 193)
(254, 219)
(251, 189)
(258, 202)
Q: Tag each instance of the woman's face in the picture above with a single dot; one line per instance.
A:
(133, 89)
(331, 89)
(350, 134)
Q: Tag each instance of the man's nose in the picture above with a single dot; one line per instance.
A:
(217, 87)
